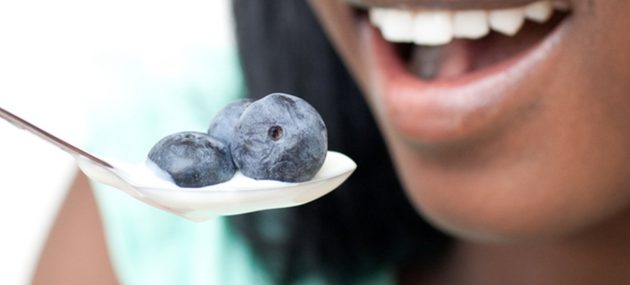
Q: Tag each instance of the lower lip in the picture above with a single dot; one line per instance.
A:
(458, 108)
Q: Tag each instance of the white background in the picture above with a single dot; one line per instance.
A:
(50, 73)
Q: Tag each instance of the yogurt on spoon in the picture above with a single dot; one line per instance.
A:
(238, 195)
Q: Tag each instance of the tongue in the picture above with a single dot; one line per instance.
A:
(441, 62)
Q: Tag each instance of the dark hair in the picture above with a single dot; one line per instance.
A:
(365, 225)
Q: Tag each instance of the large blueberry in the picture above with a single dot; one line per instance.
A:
(193, 159)
(280, 137)
(222, 125)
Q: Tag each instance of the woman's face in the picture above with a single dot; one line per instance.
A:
(497, 137)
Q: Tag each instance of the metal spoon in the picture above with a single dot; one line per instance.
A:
(239, 195)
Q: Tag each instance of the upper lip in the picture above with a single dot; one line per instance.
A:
(444, 4)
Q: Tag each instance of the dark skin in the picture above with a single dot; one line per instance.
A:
(75, 252)
(544, 199)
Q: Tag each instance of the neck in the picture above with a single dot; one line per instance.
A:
(600, 255)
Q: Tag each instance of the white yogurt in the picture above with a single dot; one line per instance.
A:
(236, 196)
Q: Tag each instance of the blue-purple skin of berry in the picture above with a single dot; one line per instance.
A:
(222, 125)
(193, 159)
(280, 137)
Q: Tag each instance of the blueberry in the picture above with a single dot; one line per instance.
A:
(280, 137)
(222, 126)
(193, 159)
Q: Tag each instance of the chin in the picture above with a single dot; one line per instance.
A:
(489, 201)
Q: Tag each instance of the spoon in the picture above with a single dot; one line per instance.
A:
(236, 196)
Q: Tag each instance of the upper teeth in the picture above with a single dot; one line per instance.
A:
(438, 27)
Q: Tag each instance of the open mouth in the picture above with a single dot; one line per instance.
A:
(441, 44)
(443, 71)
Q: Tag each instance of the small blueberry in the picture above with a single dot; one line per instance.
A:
(222, 126)
(193, 159)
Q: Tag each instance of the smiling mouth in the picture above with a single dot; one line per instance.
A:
(447, 72)
(441, 44)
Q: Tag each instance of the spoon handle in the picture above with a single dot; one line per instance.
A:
(65, 146)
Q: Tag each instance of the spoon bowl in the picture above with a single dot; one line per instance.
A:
(236, 196)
